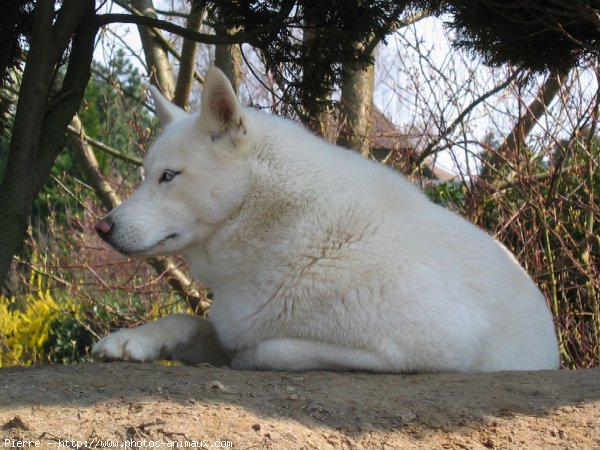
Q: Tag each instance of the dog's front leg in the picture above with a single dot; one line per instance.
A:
(299, 354)
(181, 337)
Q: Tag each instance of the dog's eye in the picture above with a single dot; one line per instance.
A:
(168, 175)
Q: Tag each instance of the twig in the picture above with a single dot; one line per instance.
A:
(430, 149)
(74, 131)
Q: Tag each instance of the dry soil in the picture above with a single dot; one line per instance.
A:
(121, 405)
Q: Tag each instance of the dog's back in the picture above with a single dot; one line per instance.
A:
(318, 258)
(342, 250)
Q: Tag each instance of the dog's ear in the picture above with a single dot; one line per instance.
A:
(166, 111)
(221, 113)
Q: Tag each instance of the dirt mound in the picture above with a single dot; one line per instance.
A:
(122, 405)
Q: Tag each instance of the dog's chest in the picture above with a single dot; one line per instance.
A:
(323, 309)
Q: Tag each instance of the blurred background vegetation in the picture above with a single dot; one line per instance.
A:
(494, 120)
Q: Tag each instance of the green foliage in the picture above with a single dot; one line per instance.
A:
(547, 222)
(451, 195)
(25, 327)
(59, 309)
(45, 323)
(532, 34)
(114, 110)
(69, 340)
(114, 113)
(305, 69)
(545, 217)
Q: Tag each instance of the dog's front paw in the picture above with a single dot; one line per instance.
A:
(125, 345)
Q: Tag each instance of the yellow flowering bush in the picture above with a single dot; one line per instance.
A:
(25, 328)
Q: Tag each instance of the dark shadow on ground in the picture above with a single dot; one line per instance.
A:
(355, 402)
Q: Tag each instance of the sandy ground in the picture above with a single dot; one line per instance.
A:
(121, 405)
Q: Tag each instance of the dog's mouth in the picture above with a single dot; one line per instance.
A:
(143, 252)
(170, 236)
(164, 240)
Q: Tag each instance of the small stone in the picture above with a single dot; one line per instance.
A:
(217, 385)
(17, 422)
(489, 443)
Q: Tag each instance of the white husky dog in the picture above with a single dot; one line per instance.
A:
(318, 258)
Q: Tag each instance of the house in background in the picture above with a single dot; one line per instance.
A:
(392, 146)
(388, 143)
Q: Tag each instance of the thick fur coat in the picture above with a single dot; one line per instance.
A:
(318, 258)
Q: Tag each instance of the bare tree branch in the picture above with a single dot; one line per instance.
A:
(237, 38)
(431, 147)
(75, 131)
(493, 167)
(394, 26)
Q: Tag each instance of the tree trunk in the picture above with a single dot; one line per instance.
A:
(39, 129)
(157, 57)
(228, 58)
(355, 109)
(187, 65)
(314, 117)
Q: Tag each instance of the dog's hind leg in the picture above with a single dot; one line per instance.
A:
(299, 354)
(180, 337)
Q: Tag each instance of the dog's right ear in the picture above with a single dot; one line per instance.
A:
(166, 111)
(221, 114)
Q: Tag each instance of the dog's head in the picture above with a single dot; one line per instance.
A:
(196, 175)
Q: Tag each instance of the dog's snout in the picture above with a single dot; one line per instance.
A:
(104, 227)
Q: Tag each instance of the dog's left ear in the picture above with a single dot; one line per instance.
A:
(166, 111)
(221, 113)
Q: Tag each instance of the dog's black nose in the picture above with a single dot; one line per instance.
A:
(104, 227)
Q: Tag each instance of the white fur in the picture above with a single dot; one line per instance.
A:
(319, 258)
